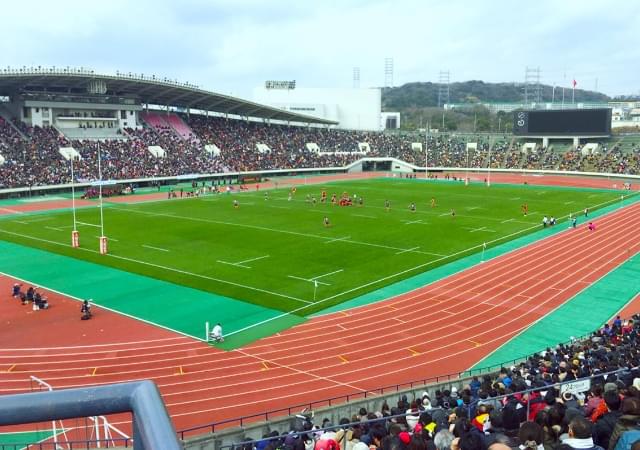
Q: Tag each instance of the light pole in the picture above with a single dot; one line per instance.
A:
(553, 94)
(489, 166)
(426, 154)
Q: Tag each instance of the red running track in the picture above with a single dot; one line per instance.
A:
(441, 328)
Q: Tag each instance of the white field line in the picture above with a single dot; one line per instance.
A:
(338, 239)
(111, 239)
(327, 274)
(20, 222)
(242, 263)
(307, 279)
(515, 198)
(155, 248)
(87, 224)
(365, 216)
(159, 266)
(407, 250)
(569, 203)
(54, 228)
(252, 259)
(412, 222)
(232, 264)
(508, 220)
(42, 219)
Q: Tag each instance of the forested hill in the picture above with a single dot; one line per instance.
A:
(424, 95)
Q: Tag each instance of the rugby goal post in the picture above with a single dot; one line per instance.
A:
(75, 239)
(104, 248)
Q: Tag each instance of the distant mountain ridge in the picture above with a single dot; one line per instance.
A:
(425, 94)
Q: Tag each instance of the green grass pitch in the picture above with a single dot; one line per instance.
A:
(276, 252)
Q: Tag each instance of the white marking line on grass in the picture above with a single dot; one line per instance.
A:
(88, 224)
(412, 222)
(508, 220)
(471, 208)
(515, 198)
(364, 215)
(42, 219)
(111, 239)
(252, 259)
(327, 274)
(338, 239)
(407, 250)
(569, 203)
(155, 248)
(233, 264)
(473, 230)
(54, 228)
(541, 193)
(308, 280)
(20, 222)
(159, 266)
(242, 263)
(445, 214)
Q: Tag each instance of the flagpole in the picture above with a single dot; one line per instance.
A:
(315, 288)
(573, 92)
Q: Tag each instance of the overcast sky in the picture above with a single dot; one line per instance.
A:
(232, 46)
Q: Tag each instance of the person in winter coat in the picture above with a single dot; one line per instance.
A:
(629, 420)
(605, 424)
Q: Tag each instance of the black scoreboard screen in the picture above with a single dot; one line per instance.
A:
(568, 122)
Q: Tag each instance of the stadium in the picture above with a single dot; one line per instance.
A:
(187, 269)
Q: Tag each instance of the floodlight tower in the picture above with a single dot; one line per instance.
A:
(356, 77)
(532, 88)
(388, 72)
(443, 88)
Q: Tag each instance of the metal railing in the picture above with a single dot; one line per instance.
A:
(152, 428)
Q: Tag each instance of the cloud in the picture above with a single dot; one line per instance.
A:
(233, 46)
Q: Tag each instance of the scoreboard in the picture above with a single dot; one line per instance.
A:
(567, 122)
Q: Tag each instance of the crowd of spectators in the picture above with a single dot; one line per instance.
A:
(522, 407)
(32, 158)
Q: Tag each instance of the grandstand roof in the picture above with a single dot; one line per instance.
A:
(146, 89)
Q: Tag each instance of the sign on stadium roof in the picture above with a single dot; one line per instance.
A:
(271, 84)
